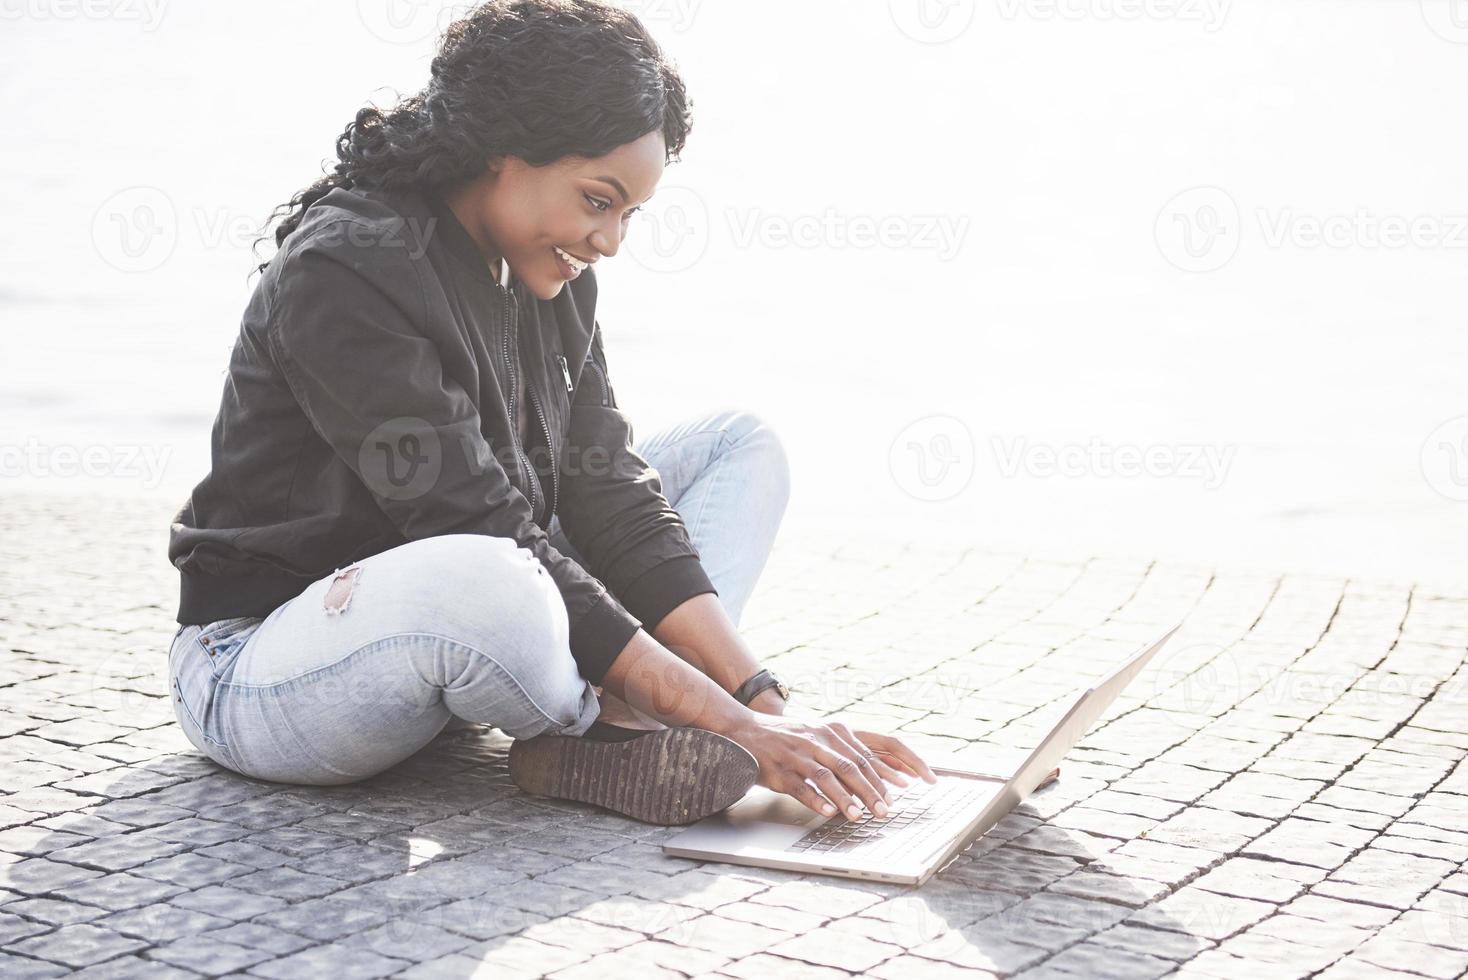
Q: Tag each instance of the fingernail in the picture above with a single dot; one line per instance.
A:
(881, 809)
(854, 811)
(827, 808)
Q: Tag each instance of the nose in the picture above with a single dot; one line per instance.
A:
(605, 244)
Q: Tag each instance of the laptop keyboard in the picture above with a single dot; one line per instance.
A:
(913, 820)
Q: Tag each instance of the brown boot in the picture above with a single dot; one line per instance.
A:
(666, 776)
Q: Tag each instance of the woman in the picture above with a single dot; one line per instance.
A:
(425, 506)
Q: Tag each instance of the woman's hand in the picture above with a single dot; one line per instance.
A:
(849, 768)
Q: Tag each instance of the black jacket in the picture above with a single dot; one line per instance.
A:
(368, 404)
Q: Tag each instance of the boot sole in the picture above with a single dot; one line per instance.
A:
(671, 777)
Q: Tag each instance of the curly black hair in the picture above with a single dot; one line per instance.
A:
(534, 79)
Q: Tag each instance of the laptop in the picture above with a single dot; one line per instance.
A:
(927, 825)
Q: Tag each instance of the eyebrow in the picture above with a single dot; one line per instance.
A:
(618, 185)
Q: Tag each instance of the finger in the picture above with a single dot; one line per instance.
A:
(895, 746)
(897, 764)
(823, 778)
(890, 773)
(847, 773)
(806, 794)
(874, 767)
(862, 777)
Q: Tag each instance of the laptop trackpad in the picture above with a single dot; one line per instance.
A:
(767, 806)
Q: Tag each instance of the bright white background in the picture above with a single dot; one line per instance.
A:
(1052, 280)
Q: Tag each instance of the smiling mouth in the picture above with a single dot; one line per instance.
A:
(570, 264)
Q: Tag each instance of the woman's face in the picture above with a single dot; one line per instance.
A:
(579, 205)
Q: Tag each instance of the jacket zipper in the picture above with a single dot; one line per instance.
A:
(601, 380)
(550, 447)
(521, 463)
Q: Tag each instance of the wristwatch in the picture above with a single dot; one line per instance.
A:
(762, 679)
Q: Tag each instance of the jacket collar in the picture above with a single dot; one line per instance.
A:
(459, 243)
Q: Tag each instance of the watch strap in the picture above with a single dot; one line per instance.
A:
(762, 679)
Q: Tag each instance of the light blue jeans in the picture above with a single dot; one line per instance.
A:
(460, 628)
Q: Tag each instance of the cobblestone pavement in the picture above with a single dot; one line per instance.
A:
(1283, 794)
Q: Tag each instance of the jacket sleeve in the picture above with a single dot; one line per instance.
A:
(346, 329)
(612, 507)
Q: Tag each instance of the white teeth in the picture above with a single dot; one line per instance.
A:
(570, 260)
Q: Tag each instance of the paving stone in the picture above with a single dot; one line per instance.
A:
(415, 941)
(14, 967)
(1364, 819)
(15, 927)
(1214, 830)
(287, 883)
(1333, 911)
(1352, 968)
(1312, 842)
(1432, 961)
(1337, 936)
(841, 951)
(77, 945)
(133, 967)
(1114, 888)
(229, 903)
(118, 891)
(54, 911)
(160, 922)
(763, 965)
(208, 955)
(257, 935)
(35, 840)
(192, 870)
(482, 918)
(1089, 959)
(716, 933)
(41, 876)
(196, 832)
(516, 956)
(1163, 943)
(829, 898)
(1267, 881)
(118, 853)
(1289, 958)
(698, 888)
(1202, 913)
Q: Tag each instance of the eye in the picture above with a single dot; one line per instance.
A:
(597, 203)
